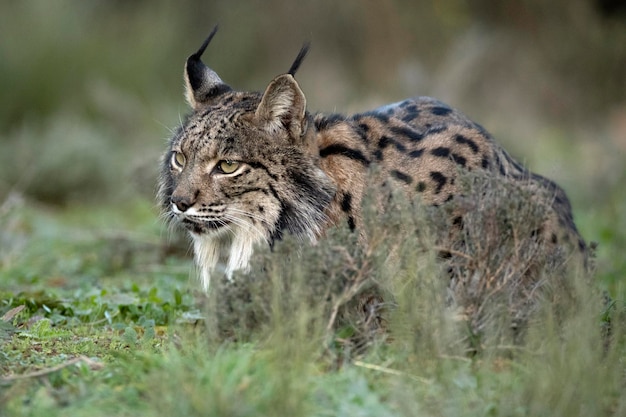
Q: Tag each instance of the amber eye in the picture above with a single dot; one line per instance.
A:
(227, 167)
(178, 160)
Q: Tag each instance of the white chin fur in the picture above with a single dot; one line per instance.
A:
(224, 252)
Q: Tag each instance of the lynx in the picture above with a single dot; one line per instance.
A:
(246, 167)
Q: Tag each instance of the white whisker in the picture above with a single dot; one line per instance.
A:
(248, 214)
(244, 224)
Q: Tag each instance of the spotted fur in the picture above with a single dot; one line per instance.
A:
(301, 173)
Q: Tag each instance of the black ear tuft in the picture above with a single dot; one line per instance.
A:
(195, 68)
(301, 55)
(203, 84)
(206, 43)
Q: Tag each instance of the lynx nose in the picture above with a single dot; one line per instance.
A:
(182, 203)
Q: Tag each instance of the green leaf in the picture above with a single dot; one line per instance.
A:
(130, 336)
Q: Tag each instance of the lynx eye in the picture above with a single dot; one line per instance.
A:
(178, 160)
(227, 167)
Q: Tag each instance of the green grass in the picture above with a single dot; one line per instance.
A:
(108, 322)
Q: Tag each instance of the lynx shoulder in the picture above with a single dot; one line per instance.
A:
(246, 167)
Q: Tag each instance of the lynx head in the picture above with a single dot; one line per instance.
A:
(242, 168)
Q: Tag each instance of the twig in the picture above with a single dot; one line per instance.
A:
(355, 286)
(9, 315)
(390, 371)
(42, 372)
(345, 296)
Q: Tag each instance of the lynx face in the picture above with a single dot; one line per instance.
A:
(237, 173)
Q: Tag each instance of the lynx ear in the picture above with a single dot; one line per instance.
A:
(203, 84)
(283, 107)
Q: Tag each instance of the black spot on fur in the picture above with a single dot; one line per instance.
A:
(416, 153)
(386, 141)
(413, 135)
(378, 154)
(466, 141)
(351, 223)
(381, 117)
(412, 112)
(440, 179)
(409, 117)
(554, 238)
(346, 202)
(362, 130)
(441, 152)
(441, 111)
(344, 151)
(484, 163)
(327, 121)
(444, 152)
(421, 186)
(500, 165)
(458, 159)
(260, 209)
(401, 176)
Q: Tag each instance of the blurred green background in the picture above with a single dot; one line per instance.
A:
(90, 90)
